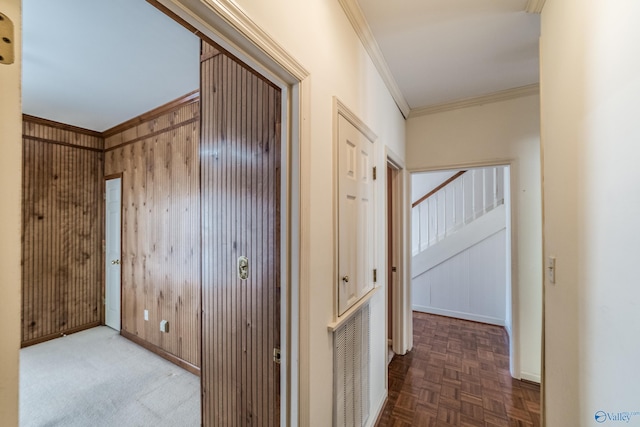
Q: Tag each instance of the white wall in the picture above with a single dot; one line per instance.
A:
(320, 37)
(318, 34)
(469, 285)
(590, 84)
(11, 177)
(500, 132)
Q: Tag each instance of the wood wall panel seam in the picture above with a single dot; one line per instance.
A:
(53, 124)
(153, 134)
(65, 144)
(162, 110)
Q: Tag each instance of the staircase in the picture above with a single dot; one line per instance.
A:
(448, 208)
(459, 248)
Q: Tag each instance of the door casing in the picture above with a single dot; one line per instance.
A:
(113, 254)
(397, 250)
(229, 26)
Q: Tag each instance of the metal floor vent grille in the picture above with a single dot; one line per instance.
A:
(351, 371)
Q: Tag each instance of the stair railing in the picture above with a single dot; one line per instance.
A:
(455, 203)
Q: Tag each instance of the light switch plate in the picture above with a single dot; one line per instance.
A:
(146, 315)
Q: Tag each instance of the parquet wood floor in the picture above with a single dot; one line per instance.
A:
(457, 375)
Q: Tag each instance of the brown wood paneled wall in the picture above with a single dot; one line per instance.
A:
(62, 229)
(240, 169)
(157, 155)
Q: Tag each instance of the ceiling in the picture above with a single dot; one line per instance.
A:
(440, 51)
(89, 63)
(97, 63)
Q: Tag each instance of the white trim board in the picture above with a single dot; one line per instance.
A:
(459, 315)
(503, 95)
(376, 412)
(530, 377)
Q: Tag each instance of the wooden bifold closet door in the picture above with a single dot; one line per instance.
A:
(240, 187)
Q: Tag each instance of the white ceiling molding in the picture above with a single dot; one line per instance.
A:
(502, 95)
(359, 22)
(535, 6)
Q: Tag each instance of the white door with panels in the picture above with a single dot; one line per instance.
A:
(112, 252)
(355, 214)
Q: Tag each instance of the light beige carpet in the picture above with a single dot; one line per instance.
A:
(98, 378)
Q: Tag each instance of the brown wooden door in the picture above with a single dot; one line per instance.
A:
(240, 185)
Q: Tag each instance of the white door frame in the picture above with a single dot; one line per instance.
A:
(514, 335)
(112, 261)
(401, 293)
(229, 26)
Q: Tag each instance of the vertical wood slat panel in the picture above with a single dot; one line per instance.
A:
(62, 211)
(158, 158)
(240, 201)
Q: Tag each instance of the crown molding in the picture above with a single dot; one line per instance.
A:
(535, 6)
(502, 95)
(236, 17)
(51, 123)
(361, 26)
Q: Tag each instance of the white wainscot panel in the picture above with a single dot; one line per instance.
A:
(470, 285)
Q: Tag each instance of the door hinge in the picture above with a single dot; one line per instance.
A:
(276, 355)
(7, 45)
(375, 275)
(375, 173)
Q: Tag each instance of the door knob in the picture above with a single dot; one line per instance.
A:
(345, 279)
(115, 262)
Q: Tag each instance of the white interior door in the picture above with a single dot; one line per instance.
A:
(113, 248)
(355, 215)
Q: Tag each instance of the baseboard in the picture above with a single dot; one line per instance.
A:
(459, 315)
(373, 420)
(530, 378)
(59, 334)
(161, 352)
